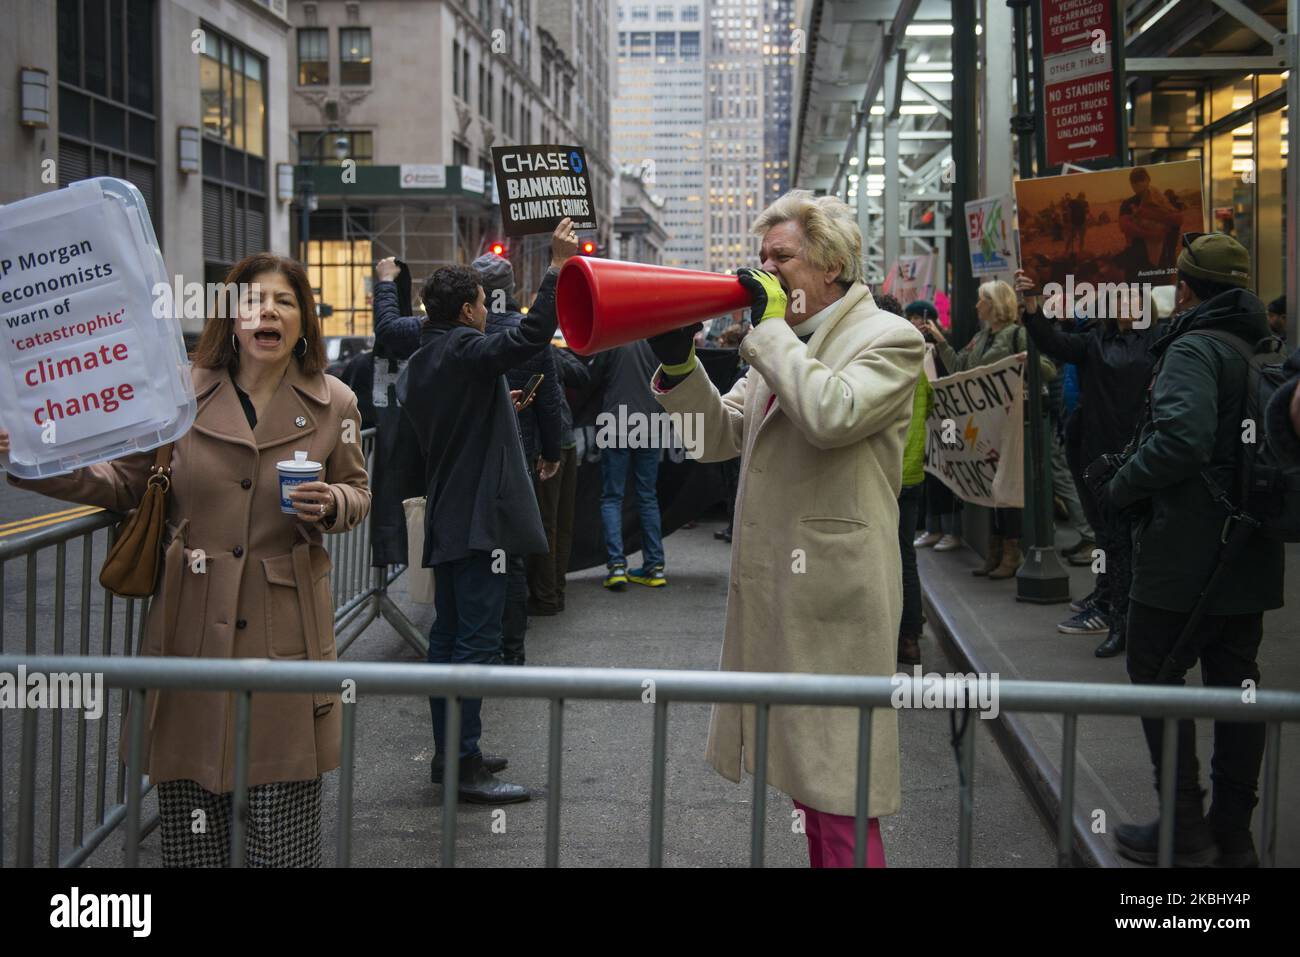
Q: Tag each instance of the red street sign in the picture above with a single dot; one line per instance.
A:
(1079, 101)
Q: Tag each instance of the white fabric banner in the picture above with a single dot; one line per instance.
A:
(974, 440)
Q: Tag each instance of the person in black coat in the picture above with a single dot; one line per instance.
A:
(1115, 364)
(480, 502)
(540, 427)
(1282, 417)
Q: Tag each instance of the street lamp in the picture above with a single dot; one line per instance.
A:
(308, 200)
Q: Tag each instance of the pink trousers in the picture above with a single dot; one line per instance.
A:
(831, 839)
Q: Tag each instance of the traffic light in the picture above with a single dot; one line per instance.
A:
(588, 248)
(498, 249)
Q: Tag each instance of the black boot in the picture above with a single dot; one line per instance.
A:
(493, 763)
(1193, 840)
(478, 786)
(1112, 646)
(1232, 835)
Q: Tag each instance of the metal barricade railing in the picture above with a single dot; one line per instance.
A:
(558, 685)
(360, 596)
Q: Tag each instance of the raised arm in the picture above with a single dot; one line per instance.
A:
(836, 408)
(497, 353)
(398, 336)
(723, 415)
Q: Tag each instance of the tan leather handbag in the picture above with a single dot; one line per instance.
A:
(131, 568)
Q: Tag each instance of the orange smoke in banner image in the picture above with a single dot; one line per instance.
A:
(1115, 225)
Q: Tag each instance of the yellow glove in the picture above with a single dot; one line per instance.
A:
(768, 298)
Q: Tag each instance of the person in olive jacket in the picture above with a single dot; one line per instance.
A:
(1197, 403)
(480, 502)
(1115, 362)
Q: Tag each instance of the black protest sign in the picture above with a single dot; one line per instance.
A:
(540, 185)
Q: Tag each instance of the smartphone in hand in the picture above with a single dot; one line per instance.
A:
(530, 390)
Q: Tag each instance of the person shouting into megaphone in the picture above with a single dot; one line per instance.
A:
(819, 423)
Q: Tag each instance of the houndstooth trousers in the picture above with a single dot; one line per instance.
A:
(283, 825)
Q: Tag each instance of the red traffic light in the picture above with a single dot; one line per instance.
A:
(498, 249)
(588, 247)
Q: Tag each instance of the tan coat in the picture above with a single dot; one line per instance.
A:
(816, 576)
(264, 591)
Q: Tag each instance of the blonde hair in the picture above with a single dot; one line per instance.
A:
(1003, 298)
(830, 232)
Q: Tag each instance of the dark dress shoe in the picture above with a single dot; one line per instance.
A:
(909, 650)
(1236, 848)
(479, 786)
(1193, 843)
(493, 763)
(1112, 646)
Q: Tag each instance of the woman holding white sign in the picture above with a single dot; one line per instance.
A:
(244, 572)
(999, 336)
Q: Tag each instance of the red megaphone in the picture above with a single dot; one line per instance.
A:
(603, 303)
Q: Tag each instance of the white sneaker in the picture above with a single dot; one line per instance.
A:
(926, 539)
(948, 543)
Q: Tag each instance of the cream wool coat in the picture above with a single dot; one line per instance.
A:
(820, 473)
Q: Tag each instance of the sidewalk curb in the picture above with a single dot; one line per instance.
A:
(1026, 758)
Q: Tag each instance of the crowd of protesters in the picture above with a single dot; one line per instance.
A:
(829, 402)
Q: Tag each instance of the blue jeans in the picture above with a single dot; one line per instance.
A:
(645, 471)
(468, 599)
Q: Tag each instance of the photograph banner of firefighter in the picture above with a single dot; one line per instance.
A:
(974, 439)
(540, 185)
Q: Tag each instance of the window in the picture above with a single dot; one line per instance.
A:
(232, 94)
(640, 45)
(313, 57)
(107, 113)
(464, 72)
(354, 56)
(455, 67)
(663, 14)
(489, 96)
(640, 13)
(483, 91)
(320, 147)
(666, 45)
(459, 153)
(690, 45)
(232, 99)
(691, 14)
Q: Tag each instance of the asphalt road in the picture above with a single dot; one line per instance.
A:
(606, 762)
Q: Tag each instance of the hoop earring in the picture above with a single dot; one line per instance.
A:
(234, 343)
(300, 347)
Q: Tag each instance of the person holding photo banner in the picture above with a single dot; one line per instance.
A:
(242, 578)
(999, 336)
(1115, 362)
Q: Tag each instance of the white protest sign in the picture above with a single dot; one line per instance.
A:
(990, 235)
(974, 440)
(910, 277)
(88, 373)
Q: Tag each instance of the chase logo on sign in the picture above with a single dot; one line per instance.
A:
(575, 161)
